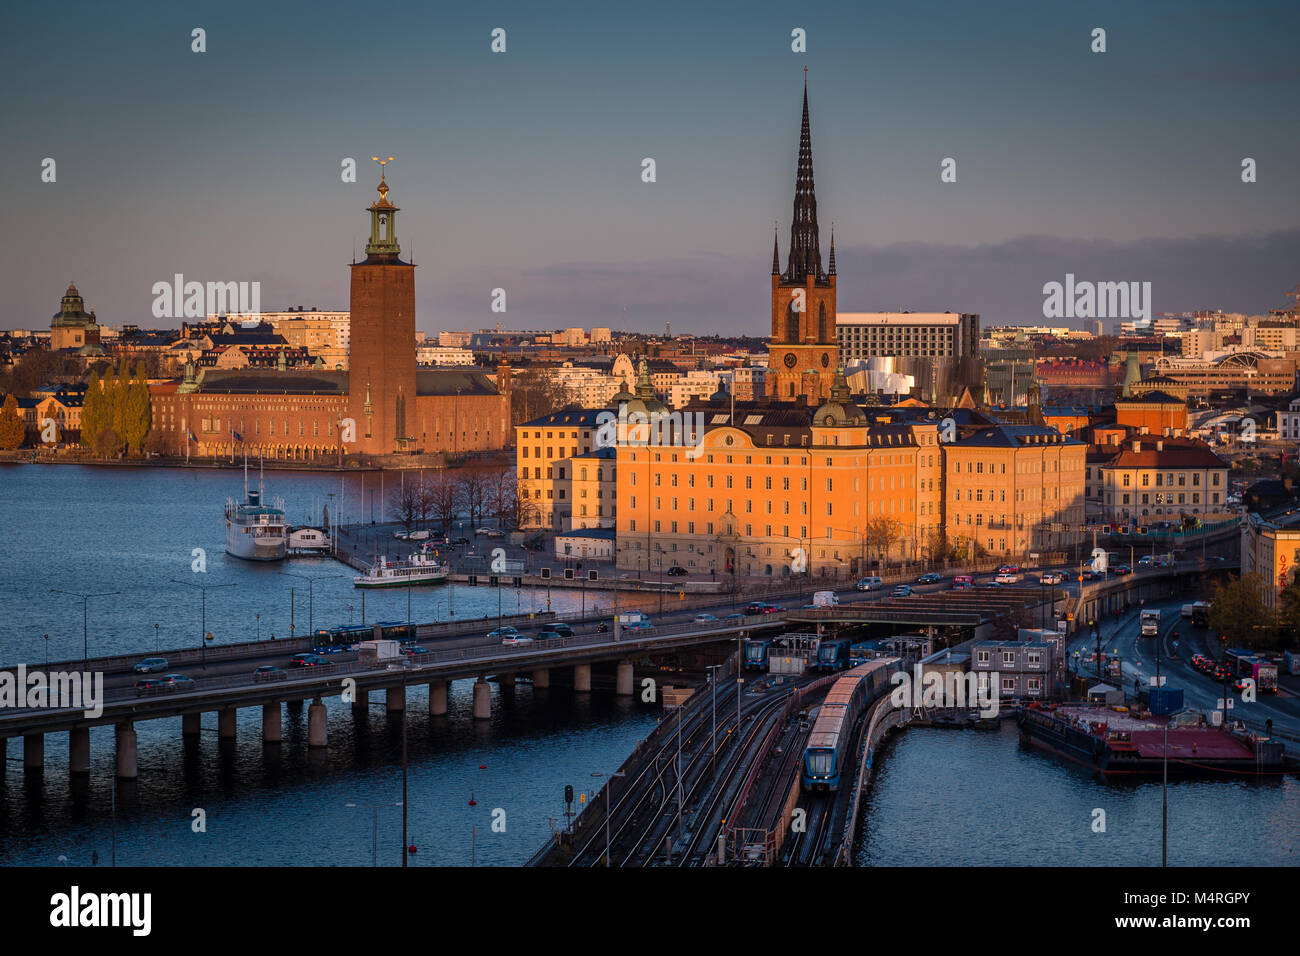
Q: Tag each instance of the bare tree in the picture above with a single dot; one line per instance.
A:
(471, 489)
(442, 492)
(503, 499)
(535, 392)
(882, 534)
(404, 504)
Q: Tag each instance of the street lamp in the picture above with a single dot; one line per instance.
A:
(608, 786)
(310, 596)
(85, 618)
(374, 839)
(203, 628)
(713, 734)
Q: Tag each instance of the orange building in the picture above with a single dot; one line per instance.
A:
(763, 488)
(1014, 489)
(1152, 413)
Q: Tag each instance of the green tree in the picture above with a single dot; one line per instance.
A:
(118, 399)
(1288, 615)
(1239, 613)
(92, 411)
(12, 430)
(136, 411)
(107, 443)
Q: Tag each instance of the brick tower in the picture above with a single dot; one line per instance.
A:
(381, 361)
(803, 355)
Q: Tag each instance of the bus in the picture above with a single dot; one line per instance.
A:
(334, 639)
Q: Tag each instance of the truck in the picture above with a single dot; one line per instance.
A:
(1189, 609)
(379, 653)
(1292, 659)
(1201, 616)
(825, 599)
(1265, 674)
(633, 619)
(1151, 623)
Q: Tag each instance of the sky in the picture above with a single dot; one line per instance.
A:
(522, 170)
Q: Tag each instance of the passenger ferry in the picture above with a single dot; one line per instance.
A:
(254, 530)
(418, 569)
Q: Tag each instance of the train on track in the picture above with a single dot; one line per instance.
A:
(826, 754)
(756, 654)
(833, 655)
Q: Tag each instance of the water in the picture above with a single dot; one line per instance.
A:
(130, 530)
(958, 798)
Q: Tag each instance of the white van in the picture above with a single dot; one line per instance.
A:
(825, 599)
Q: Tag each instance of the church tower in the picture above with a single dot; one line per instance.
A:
(381, 362)
(803, 354)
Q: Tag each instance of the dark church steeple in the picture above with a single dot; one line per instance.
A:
(805, 241)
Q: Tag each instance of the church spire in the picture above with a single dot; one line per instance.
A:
(805, 252)
(776, 254)
(831, 268)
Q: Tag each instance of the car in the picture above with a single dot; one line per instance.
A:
(149, 685)
(419, 536)
(1144, 560)
(902, 590)
(175, 682)
(459, 541)
(676, 571)
(961, 585)
(736, 616)
(410, 649)
(516, 639)
(546, 634)
(1051, 577)
(1089, 575)
(1009, 569)
(562, 629)
(756, 607)
(307, 660)
(1006, 577)
(870, 583)
(1122, 569)
(268, 672)
(401, 535)
(503, 632)
(151, 665)
(929, 578)
(1241, 683)
(705, 618)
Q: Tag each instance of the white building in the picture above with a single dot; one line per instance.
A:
(863, 335)
(443, 355)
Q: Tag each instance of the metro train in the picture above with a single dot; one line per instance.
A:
(833, 655)
(827, 752)
(756, 655)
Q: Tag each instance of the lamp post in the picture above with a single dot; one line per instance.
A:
(713, 705)
(311, 596)
(608, 786)
(85, 618)
(374, 838)
(203, 630)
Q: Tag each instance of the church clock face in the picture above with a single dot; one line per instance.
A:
(790, 360)
(826, 360)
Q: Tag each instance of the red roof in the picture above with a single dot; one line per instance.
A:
(1191, 744)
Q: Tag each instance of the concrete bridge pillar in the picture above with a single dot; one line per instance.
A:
(624, 684)
(582, 677)
(190, 724)
(542, 677)
(34, 752)
(396, 699)
(482, 700)
(79, 750)
(226, 723)
(506, 680)
(361, 701)
(438, 697)
(316, 733)
(128, 765)
(272, 729)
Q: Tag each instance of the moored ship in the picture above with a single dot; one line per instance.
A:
(1120, 744)
(254, 530)
(417, 570)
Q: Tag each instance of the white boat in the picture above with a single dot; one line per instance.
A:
(418, 569)
(256, 531)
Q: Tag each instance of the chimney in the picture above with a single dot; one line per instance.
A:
(1137, 446)
(1160, 445)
